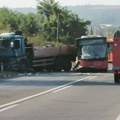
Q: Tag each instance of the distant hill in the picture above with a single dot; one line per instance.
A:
(98, 14)
(25, 10)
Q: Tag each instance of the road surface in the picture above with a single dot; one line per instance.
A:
(60, 96)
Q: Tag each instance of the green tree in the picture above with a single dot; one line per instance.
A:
(7, 19)
(14, 21)
(61, 23)
(29, 24)
(47, 8)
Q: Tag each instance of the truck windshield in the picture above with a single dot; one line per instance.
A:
(93, 49)
(9, 48)
(7, 44)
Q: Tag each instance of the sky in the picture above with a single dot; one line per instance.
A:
(33, 3)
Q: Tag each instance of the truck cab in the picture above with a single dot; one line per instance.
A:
(13, 52)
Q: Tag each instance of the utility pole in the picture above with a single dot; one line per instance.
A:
(58, 27)
(91, 32)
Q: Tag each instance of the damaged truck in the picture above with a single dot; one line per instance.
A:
(19, 55)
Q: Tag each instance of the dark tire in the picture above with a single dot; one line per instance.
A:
(49, 68)
(38, 69)
(67, 66)
(57, 67)
(23, 66)
(116, 78)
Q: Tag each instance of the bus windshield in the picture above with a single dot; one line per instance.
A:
(93, 49)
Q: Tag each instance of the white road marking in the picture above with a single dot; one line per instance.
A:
(62, 88)
(6, 108)
(42, 93)
(118, 118)
(92, 77)
(70, 84)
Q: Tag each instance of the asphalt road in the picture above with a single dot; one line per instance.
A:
(60, 96)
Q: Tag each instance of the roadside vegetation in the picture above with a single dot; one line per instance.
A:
(52, 24)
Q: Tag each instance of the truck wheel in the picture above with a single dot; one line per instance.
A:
(116, 78)
(67, 66)
(49, 68)
(23, 66)
(38, 69)
(57, 68)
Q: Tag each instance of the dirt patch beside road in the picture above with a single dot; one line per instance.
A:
(8, 74)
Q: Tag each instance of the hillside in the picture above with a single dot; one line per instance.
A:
(98, 14)
(25, 10)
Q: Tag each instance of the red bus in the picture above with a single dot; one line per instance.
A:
(92, 53)
(110, 52)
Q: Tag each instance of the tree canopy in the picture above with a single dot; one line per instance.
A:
(52, 22)
(59, 23)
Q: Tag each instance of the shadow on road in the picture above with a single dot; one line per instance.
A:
(97, 83)
(41, 83)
